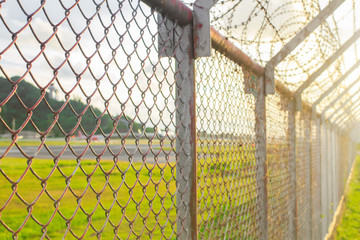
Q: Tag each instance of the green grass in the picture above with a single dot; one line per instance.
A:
(142, 202)
(140, 198)
(61, 142)
(226, 191)
(349, 227)
(6, 143)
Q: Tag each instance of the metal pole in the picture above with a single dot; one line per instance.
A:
(329, 177)
(347, 110)
(226, 47)
(343, 116)
(186, 141)
(173, 10)
(183, 15)
(337, 170)
(333, 170)
(308, 151)
(261, 160)
(292, 169)
(324, 182)
(337, 83)
(339, 97)
(295, 41)
(342, 122)
(328, 62)
(318, 135)
(347, 118)
(349, 121)
(340, 118)
(342, 105)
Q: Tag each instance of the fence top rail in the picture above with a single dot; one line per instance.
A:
(173, 10)
(230, 50)
(178, 11)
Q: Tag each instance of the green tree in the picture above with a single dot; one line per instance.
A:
(20, 105)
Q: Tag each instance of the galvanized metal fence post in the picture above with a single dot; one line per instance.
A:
(261, 159)
(186, 140)
(180, 46)
(336, 168)
(317, 235)
(332, 171)
(292, 167)
(324, 182)
(329, 175)
(308, 151)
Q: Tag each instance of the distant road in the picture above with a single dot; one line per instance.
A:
(135, 154)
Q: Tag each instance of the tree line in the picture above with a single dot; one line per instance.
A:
(16, 110)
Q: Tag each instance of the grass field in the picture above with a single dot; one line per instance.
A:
(62, 198)
(349, 227)
(61, 142)
(142, 200)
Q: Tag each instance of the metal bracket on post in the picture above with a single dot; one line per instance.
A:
(294, 42)
(166, 37)
(298, 102)
(322, 118)
(269, 79)
(201, 23)
(251, 82)
(172, 13)
(313, 113)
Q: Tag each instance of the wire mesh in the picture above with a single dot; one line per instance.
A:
(335, 169)
(324, 180)
(83, 80)
(316, 178)
(331, 175)
(303, 165)
(227, 202)
(280, 155)
(343, 165)
(262, 28)
(102, 137)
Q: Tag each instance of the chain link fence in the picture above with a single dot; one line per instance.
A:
(227, 171)
(109, 128)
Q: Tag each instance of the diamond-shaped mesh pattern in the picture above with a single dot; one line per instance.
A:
(279, 159)
(303, 189)
(324, 182)
(315, 178)
(109, 128)
(227, 196)
(83, 83)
